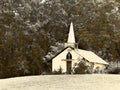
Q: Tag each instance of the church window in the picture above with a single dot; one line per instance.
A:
(69, 56)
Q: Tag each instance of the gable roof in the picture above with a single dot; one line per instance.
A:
(60, 52)
(90, 56)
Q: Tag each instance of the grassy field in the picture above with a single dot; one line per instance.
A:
(62, 82)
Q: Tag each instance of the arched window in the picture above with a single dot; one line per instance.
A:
(69, 56)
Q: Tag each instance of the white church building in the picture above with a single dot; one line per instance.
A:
(70, 55)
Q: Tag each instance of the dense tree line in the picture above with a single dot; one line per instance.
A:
(20, 53)
(28, 29)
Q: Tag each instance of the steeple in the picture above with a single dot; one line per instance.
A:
(71, 37)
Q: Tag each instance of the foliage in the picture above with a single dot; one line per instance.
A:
(29, 28)
(114, 71)
(59, 71)
(83, 68)
(113, 68)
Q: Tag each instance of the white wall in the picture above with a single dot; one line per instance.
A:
(59, 61)
(101, 66)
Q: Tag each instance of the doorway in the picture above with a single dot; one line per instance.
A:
(68, 67)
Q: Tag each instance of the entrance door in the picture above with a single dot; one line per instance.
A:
(68, 67)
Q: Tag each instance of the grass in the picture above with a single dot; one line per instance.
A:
(62, 82)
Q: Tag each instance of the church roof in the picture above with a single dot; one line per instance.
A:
(90, 56)
(60, 52)
(71, 36)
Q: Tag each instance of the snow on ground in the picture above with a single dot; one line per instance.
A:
(62, 82)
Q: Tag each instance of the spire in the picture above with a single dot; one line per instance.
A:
(71, 37)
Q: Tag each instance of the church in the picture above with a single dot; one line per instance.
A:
(71, 55)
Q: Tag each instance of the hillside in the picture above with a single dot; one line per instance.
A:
(29, 29)
(62, 82)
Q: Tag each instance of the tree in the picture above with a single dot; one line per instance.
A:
(83, 68)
